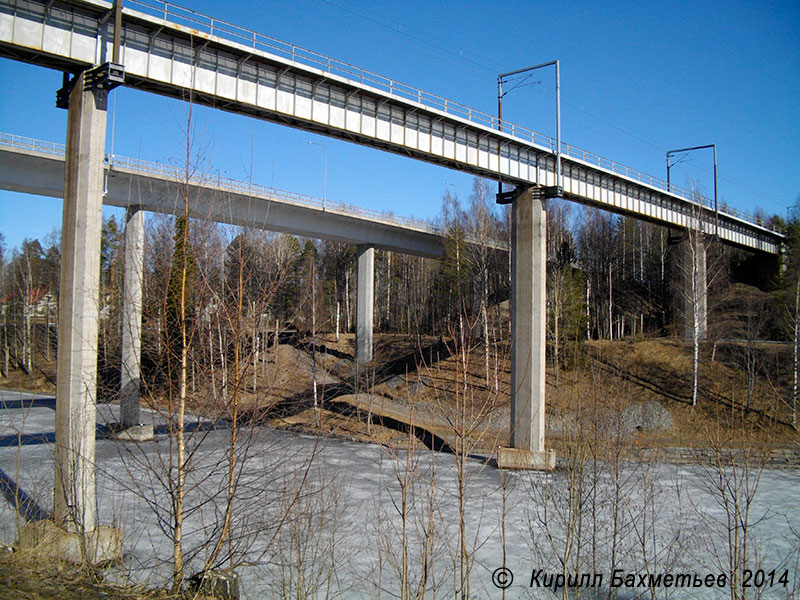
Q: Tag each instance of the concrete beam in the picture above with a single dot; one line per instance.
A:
(528, 326)
(33, 172)
(130, 373)
(694, 285)
(74, 502)
(365, 293)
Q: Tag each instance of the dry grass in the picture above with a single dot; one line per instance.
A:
(42, 379)
(600, 377)
(30, 577)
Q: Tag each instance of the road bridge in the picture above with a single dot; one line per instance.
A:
(38, 167)
(180, 53)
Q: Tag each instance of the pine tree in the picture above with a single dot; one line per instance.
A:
(181, 254)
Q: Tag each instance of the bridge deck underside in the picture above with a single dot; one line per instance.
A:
(34, 173)
(167, 58)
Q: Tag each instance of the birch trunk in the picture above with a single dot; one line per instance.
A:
(796, 352)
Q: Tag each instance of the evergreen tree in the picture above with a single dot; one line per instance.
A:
(790, 292)
(181, 255)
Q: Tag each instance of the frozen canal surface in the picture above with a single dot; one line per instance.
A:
(326, 515)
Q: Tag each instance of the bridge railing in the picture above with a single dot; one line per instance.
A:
(239, 186)
(206, 24)
(224, 183)
(631, 173)
(26, 143)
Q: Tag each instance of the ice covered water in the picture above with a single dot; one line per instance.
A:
(340, 519)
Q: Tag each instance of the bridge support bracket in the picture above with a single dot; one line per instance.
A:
(552, 191)
(75, 503)
(103, 77)
(528, 325)
(365, 298)
(508, 197)
(543, 193)
(130, 368)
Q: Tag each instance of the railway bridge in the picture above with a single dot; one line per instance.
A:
(165, 49)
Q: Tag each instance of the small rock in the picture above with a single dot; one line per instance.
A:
(649, 416)
(395, 382)
(135, 433)
(414, 384)
(220, 585)
(419, 384)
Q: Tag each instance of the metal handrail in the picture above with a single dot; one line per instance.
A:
(26, 143)
(230, 184)
(225, 183)
(212, 26)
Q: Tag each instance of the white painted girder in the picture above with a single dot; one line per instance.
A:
(171, 59)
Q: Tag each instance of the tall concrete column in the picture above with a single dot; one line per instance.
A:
(528, 326)
(78, 310)
(694, 285)
(132, 318)
(365, 293)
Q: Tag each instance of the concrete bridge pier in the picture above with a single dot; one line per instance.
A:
(74, 497)
(693, 284)
(528, 327)
(78, 309)
(365, 292)
(130, 371)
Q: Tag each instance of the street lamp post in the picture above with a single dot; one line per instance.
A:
(324, 172)
(500, 95)
(670, 165)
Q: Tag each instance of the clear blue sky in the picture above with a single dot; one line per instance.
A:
(638, 78)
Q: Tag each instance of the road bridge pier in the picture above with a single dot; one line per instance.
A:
(131, 363)
(365, 294)
(132, 318)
